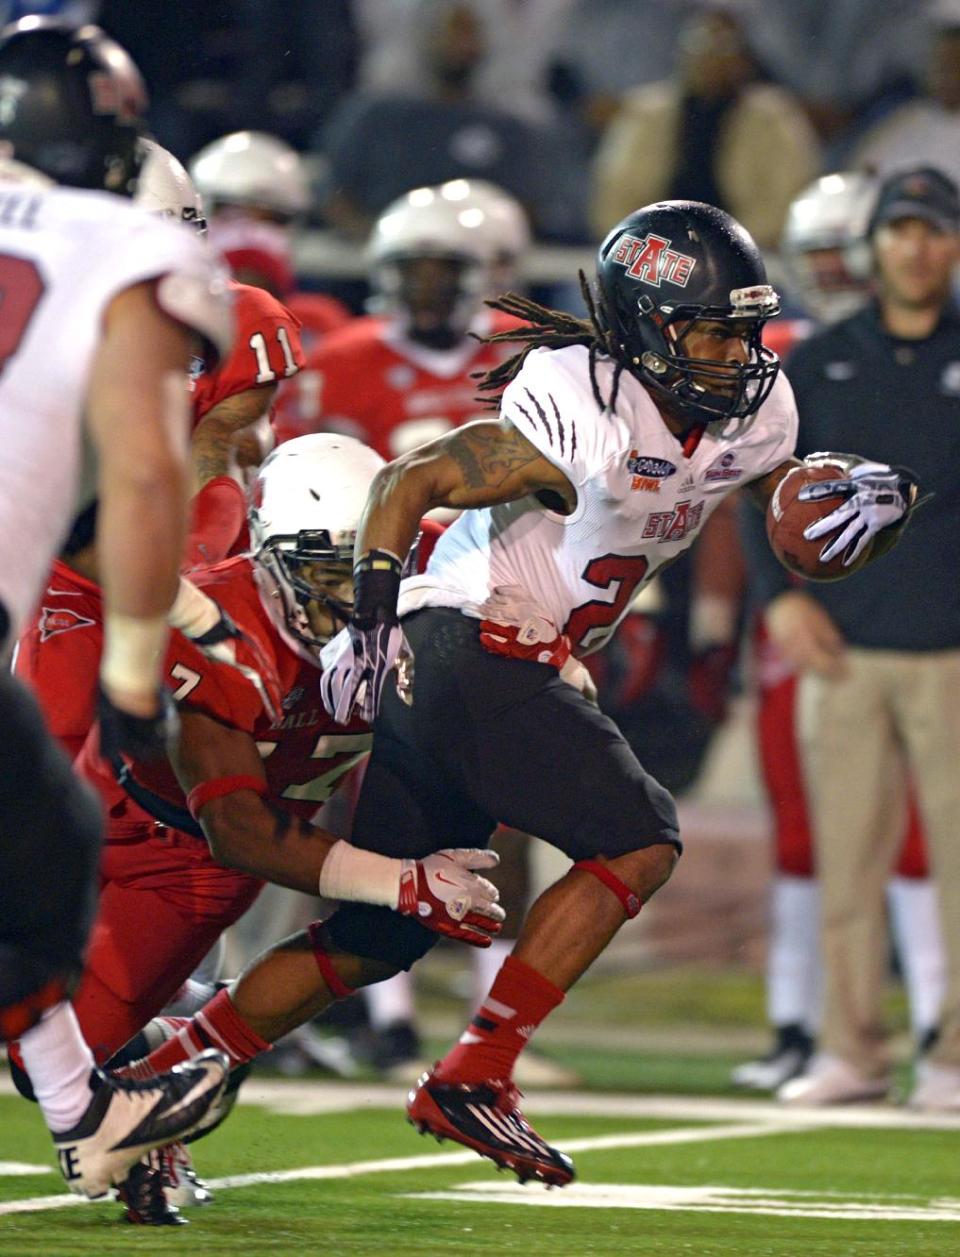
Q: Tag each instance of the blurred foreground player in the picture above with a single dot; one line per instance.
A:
(105, 413)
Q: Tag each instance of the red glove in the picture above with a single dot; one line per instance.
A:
(446, 896)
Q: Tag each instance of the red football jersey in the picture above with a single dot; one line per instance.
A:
(366, 381)
(305, 752)
(266, 348)
(58, 655)
(318, 315)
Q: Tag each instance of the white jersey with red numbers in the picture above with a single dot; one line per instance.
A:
(64, 255)
(304, 752)
(266, 349)
(640, 502)
(368, 381)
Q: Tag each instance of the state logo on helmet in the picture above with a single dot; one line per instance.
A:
(71, 104)
(668, 267)
(305, 508)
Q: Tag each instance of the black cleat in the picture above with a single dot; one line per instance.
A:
(142, 1193)
(486, 1117)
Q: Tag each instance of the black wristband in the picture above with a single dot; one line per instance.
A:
(376, 586)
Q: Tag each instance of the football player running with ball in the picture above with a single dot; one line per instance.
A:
(616, 439)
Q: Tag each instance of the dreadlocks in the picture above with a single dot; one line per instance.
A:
(550, 329)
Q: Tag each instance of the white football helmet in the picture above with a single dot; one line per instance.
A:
(825, 247)
(164, 187)
(305, 506)
(504, 222)
(253, 170)
(424, 224)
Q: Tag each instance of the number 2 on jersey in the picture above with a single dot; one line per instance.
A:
(21, 288)
(627, 571)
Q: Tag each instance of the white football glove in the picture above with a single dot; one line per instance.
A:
(877, 496)
(355, 667)
(446, 896)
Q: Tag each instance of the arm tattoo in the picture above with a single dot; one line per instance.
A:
(489, 456)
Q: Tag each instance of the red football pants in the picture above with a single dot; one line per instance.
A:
(163, 904)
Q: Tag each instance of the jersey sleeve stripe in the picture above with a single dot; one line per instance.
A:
(541, 415)
(560, 428)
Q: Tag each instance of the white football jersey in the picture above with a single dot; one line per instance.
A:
(640, 502)
(64, 255)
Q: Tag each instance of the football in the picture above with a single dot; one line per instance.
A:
(787, 517)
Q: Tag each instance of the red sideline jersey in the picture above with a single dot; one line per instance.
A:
(367, 381)
(266, 349)
(304, 752)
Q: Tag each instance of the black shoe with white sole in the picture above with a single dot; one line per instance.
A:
(126, 1119)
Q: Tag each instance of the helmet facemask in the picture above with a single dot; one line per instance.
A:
(434, 297)
(308, 572)
(704, 390)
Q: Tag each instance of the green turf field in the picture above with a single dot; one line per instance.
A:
(657, 1175)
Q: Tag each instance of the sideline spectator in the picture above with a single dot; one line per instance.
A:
(709, 134)
(926, 129)
(879, 656)
(381, 145)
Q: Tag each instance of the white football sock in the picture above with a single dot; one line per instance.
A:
(59, 1064)
(390, 1001)
(915, 923)
(487, 963)
(794, 969)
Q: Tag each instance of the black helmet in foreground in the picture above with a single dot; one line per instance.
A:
(667, 267)
(71, 104)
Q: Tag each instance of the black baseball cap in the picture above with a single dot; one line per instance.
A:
(923, 192)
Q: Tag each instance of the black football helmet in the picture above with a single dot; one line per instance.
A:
(667, 266)
(71, 104)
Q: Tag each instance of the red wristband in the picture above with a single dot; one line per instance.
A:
(631, 901)
(207, 791)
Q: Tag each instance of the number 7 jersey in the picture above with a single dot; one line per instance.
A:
(640, 501)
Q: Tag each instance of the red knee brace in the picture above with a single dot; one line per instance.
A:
(630, 901)
(338, 988)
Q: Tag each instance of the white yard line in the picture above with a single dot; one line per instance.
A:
(393, 1165)
(684, 1199)
(738, 1119)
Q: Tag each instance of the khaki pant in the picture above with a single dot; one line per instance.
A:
(858, 736)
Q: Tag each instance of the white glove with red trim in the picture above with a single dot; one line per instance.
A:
(445, 895)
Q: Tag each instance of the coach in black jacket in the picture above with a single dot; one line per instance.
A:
(879, 654)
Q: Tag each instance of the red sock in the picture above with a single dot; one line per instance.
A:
(519, 1000)
(218, 1025)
